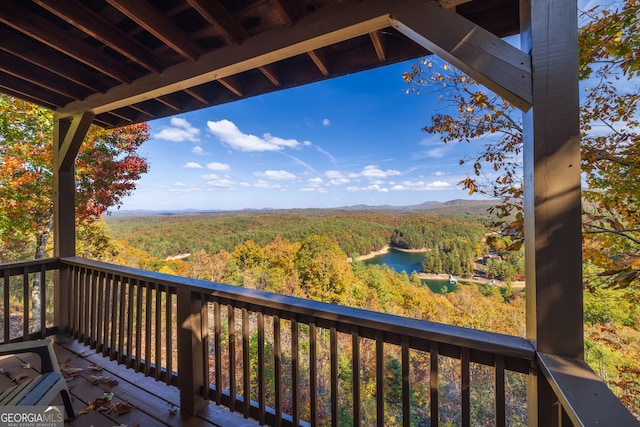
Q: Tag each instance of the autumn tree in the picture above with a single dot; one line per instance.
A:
(609, 60)
(108, 167)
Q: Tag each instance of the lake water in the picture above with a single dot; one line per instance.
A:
(409, 262)
(399, 260)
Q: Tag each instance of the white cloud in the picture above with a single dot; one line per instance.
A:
(326, 122)
(439, 173)
(372, 187)
(422, 186)
(336, 177)
(280, 175)
(179, 184)
(315, 182)
(198, 150)
(216, 166)
(220, 183)
(268, 185)
(180, 131)
(210, 177)
(193, 165)
(372, 172)
(229, 134)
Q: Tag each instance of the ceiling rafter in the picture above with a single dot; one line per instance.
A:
(325, 27)
(48, 34)
(233, 84)
(217, 15)
(42, 56)
(21, 89)
(269, 72)
(287, 10)
(157, 24)
(167, 103)
(193, 92)
(91, 23)
(39, 76)
(378, 45)
(319, 58)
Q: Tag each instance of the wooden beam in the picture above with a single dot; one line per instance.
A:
(552, 194)
(155, 23)
(94, 25)
(232, 84)
(378, 45)
(218, 16)
(288, 11)
(325, 27)
(71, 140)
(270, 73)
(319, 59)
(485, 57)
(23, 20)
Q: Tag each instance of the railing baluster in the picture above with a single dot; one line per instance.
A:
(114, 315)
(158, 333)
(100, 313)
(108, 293)
(130, 321)
(406, 386)
(91, 339)
(262, 403)
(169, 336)
(79, 326)
(26, 297)
(86, 306)
(500, 392)
(148, 319)
(277, 366)
(379, 379)
(231, 322)
(6, 312)
(43, 300)
(465, 388)
(333, 346)
(295, 373)
(355, 357)
(122, 320)
(217, 348)
(139, 296)
(313, 374)
(246, 364)
(433, 384)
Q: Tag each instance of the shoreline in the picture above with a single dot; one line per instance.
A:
(440, 276)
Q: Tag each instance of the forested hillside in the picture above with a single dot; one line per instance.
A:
(356, 232)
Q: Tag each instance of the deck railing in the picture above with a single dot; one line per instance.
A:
(289, 361)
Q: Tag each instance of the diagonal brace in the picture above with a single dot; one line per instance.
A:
(71, 139)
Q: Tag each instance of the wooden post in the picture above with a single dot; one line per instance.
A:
(192, 352)
(553, 243)
(67, 138)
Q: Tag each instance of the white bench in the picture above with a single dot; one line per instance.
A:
(42, 388)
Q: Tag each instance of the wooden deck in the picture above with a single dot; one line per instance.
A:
(153, 403)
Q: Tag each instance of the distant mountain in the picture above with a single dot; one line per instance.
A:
(458, 206)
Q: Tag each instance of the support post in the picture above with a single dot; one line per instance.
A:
(67, 138)
(192, 352)
(552, 198)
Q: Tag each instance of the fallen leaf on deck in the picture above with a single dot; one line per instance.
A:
(100, 404)
(102, 379)
(121, 408)
(95, 367)
(19, 378)
(71, 372)
(26, 366)
(173, 411)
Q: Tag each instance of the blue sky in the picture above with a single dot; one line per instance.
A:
(346, 141)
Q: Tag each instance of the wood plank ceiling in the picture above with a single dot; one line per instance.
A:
(63, 54)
